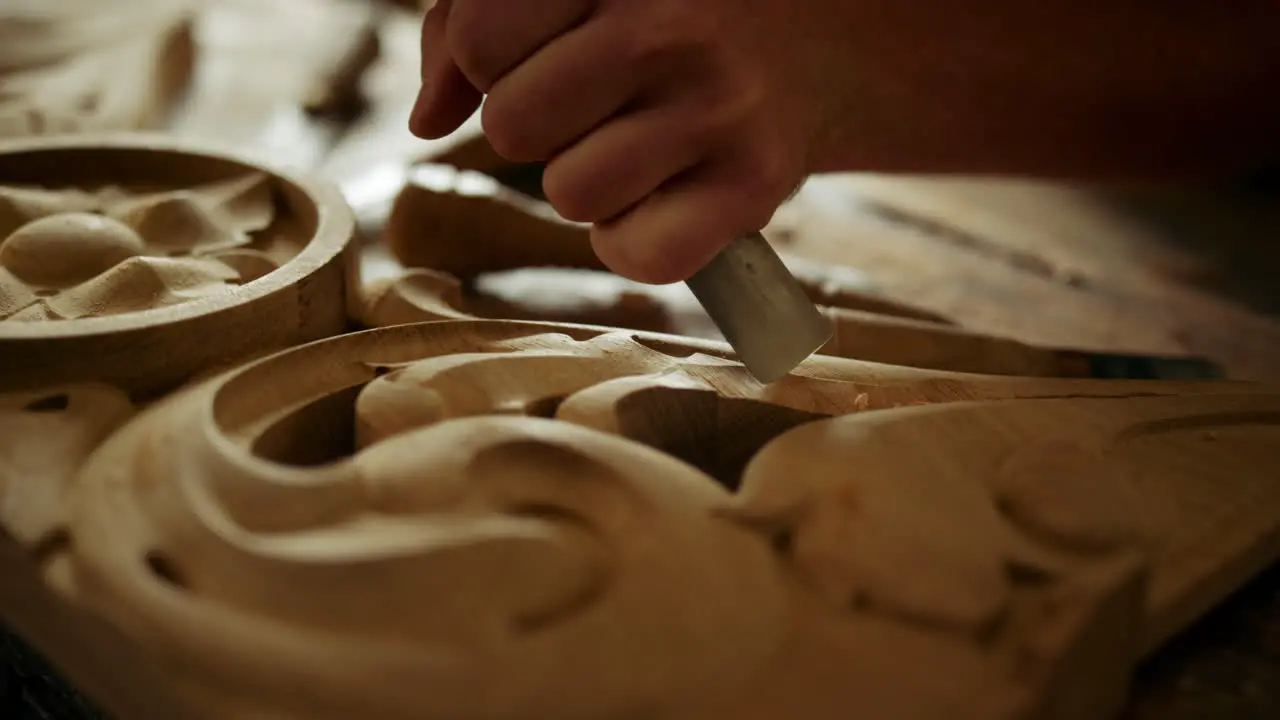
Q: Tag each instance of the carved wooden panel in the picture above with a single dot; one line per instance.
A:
(517, 520)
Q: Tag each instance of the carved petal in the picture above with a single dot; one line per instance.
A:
(141, 284)
(249, 264)
(58, 251)
(921, 543)
(1072, 493)
(518, 383)
(14, 295)
(416, 296)
(38, 311)
(246, 203)
(178, 222)
(21, 205)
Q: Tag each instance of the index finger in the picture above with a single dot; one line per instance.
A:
(446, 98)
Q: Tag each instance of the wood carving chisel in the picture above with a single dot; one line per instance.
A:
(751, 296)
(760, 307)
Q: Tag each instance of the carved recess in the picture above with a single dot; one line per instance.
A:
(140, 262)
(518, 520)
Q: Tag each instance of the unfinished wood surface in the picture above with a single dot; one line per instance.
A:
(423, 295)
(370, 160)
(575, 522)
(467, 224)
(1040, 263)
(92, 66)
(45, 435)
(339, 93)
(263, 62)
(1221, 239)
(141, 262)
(462, 225)
(972, 269)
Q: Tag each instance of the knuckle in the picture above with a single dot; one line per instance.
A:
(731, 103)
(767, 178)
(506, 134)
(740, 89)
(668, 33)
(719, 119)
(465, 37)
(641, 261)
(702, 134)
(568, 194)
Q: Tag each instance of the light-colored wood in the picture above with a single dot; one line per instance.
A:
(1034, 270)
(465, 225)
(1157, 241)
(141, 261)
(908, 262)
(339, 94)
(1043, 264)
(261, 63)
(367, 526)
(371, 158)
(92, 66)
(44, 437)
(423, 295)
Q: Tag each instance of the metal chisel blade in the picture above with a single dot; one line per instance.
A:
(760, 307)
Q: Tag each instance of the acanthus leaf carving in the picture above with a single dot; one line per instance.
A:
(519, 525)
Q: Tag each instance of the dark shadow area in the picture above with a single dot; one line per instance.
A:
(717, 435)
(318, 433)
(523, 177)
(1224, 667)
(1233, 234)
(30, 689)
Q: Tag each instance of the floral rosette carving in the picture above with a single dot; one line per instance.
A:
(68, 254)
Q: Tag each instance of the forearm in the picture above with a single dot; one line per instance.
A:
(1094, 89)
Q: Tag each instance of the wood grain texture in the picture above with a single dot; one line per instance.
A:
(985, 282)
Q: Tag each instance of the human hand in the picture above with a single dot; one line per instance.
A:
(673, 126)
(676, 125)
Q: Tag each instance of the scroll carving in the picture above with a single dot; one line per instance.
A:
(507, 520)
(536, 520)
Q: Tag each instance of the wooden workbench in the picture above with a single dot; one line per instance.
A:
(1163, 272)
